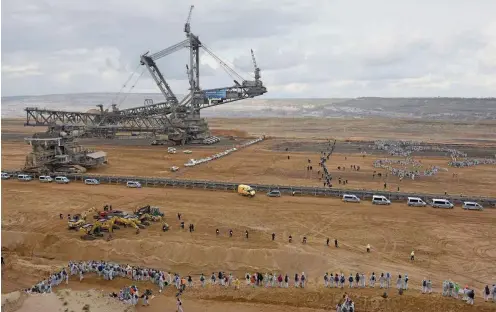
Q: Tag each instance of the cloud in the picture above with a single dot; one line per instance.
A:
(316, 48)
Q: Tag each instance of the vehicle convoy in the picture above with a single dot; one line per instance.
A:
(246, 190)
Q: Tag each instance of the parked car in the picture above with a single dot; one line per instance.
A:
(351, 198)
(91, 182)
(62, 180)
(416, 202)
(133, 184)
(274, 193)
(6, 176)
(380, 200)
(24, 177)
(441, 203)
(472, 206)
(45, 179)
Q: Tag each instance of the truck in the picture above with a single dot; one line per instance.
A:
(246, 190)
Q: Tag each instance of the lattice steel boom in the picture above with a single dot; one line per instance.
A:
(180, 120)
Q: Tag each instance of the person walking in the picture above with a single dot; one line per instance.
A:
(179, 305)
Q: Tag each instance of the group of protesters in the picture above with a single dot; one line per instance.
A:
(111, 270)
(406, 148)
(405, 173)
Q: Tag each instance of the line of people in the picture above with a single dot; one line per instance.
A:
(111, 270)
(360, 280)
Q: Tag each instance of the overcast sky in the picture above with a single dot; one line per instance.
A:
(314, 48)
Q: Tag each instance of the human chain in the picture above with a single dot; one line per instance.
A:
(112, 270)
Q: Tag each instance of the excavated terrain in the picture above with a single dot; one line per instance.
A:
(453, 244)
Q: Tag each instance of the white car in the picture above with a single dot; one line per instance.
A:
(91, 182)
(472, 206)
(5, 176)
(62, 180)
(351, 198)
(133, 184)
(380, 200)
(416, 202)
(45, 179)
(441, 203)
(24, 177)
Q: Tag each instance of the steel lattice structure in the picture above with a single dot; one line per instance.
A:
(180, 120)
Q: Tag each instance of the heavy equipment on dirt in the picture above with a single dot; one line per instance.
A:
(76, 222)
(108, 225)
(151, 210)
(129, 222)
(57, 151)
(149, 217)
(91, 231)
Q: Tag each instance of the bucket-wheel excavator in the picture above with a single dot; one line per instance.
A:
(175, 121)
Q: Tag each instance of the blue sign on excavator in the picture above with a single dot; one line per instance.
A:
(216, 94)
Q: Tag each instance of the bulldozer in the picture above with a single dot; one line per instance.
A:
(91, 231)
(76, 222)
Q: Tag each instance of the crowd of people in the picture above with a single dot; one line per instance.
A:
(324, 156)
(452, 289)
(360, 280)
(406, 173)
(469, 162)
(406, 148)
(162, 279)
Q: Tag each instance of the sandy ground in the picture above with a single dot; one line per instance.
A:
(453, 244)
(262, 165)
(31, 228)
(363, 129)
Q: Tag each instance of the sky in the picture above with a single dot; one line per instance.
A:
(305, 49)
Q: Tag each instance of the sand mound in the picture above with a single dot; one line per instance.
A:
(63, 300)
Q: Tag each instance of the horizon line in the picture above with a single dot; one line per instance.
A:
(271, 98)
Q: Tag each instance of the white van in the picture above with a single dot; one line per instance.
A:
(5, 176)
(91, 182)
(380, 200)
(24, 177)
(441, 203)
(472, 206)
(416, 202)
(61, 180)
(351, 198)
(133, 184)
(45, 179)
